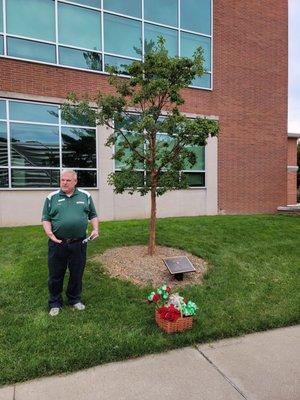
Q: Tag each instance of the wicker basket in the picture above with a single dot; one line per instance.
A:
(180, 325)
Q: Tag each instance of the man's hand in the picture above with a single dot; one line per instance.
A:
(94, 234)
(52, 237)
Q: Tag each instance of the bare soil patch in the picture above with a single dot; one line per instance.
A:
(132, 263)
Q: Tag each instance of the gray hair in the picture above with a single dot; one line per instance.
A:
(69, 171)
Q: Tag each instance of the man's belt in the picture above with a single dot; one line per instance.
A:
(71, 240)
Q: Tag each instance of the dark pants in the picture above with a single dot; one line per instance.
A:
(60, 257)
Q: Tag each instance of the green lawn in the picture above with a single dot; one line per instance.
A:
(252, 285)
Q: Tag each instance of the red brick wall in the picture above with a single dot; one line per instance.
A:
(249, 96)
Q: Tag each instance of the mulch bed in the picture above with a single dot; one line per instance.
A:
(132, 263)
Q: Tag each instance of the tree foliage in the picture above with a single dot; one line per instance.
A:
(148, 129)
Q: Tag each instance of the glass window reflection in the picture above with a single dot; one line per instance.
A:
(91, 3)
(199, 152)
(31, 50)
(19, 111)
(128, 7)
(1, 45)
(196, 15)
(3, 144)
(203, 81)
(78, 26)
(164, 12)
(1, 16)
(3, 178)
(34, 145)
(86, 179)
(152, 32)
(117, 62)
(80, 58)
(2, 109)
(34, 178)
(190, 42)
(78, 147)
(122, 36)
(31, 18)
(195, 179)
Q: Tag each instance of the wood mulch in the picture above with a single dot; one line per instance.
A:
(132, 263)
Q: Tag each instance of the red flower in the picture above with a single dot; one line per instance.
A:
(170, 313)
(156, 297)
(168, 289)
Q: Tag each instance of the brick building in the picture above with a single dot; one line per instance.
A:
(51, 47)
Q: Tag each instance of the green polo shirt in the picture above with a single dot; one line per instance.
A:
(69, 215)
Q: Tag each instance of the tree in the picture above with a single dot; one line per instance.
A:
(145, 105)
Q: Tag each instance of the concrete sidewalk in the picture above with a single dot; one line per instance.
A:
(261, 366)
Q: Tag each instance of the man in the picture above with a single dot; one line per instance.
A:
(65, 218)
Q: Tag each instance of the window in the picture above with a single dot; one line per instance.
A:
(81, 34)
(31, 18)
(196, 15)
(164, 12)
(35, 144)
(128, 7)
(122, 35)
(152, 32)
(195, 174)
(79, 27)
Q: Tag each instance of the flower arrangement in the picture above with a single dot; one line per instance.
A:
(171, 307)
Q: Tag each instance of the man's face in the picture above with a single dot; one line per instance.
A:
(68, 182)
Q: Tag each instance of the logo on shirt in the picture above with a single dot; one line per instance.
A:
(79, 202)
(61, 200)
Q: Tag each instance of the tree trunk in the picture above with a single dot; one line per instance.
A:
(152, 233)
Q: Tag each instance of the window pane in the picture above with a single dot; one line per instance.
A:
(3, 178)
(20, 111)
(79, 26)
(117, 62)
(152, 32)
(202, 81)
(116, 28)
(32, 18)
(164, 12)
(128, 7)
(79, 147)
(91, 3)
(2, 109)
(195, 179)
(196, 15)
(189, 44)
(120, 164)
(199, 151)
(34, 178)
(87, 178)
(1, 16)
(80, 58)
(3, 144)
(80, 118)
(1, 45)
(31, 50)
(34, 145)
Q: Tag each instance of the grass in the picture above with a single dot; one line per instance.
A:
(252, 285)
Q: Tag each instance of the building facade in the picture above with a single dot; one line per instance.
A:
(49, 48)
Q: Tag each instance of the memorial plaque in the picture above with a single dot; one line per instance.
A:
(177, 266)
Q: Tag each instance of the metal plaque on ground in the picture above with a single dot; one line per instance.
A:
(179, 265)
